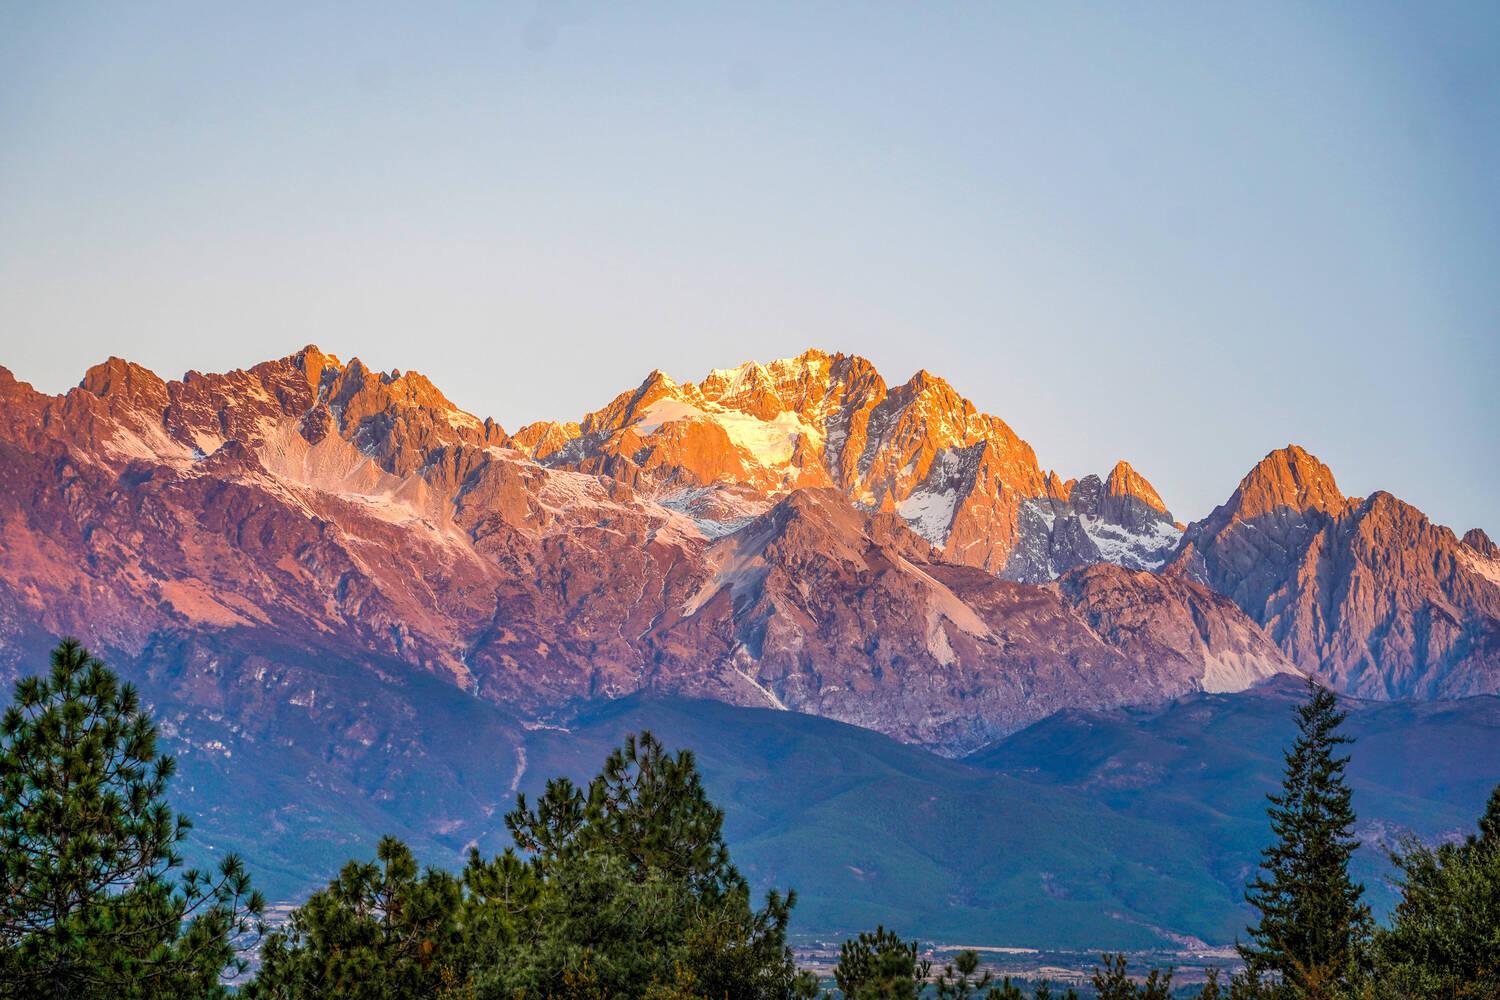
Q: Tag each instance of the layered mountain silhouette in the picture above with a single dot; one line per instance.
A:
(797, 535)
(358, 609)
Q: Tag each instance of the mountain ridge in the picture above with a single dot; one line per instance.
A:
(795, 533)
(332, 500)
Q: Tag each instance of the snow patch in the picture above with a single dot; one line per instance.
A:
(1117, 544)
(930, 514)
(948, 604)
(770, 443)
(150, 443)
(739, 564)
(716, 510)
(1487, 568)
(666, 411)
(459, 420)
(515, 779)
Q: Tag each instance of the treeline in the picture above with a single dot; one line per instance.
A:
(620, 889)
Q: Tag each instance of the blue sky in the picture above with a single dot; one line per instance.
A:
(1179, 234)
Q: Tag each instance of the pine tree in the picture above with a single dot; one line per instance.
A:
(1313, 925)
(1111, 982)
(645, 805)
(880, 966)
(1489, 823)
(1158, 985)
(92, 899)
(1444, 938)
(957, 980)
(380, 929)
(1007, 990)
(620, 890)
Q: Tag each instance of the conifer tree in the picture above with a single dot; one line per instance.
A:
(620, 890)
(1313, 927)
(93, 901)
(957, 980)
(880, 966)
(380, 929)
(1110, 980)
(645, 805)
(1444, 938)
(1489, 823)
(1157, 986)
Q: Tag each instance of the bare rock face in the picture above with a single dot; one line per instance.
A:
(1480, 544)
(823, 608)
(960, 478)
(1154, 617)
(1119, 519)
(307, 510)
(791, 534)
(1368, 594)
(956, 475)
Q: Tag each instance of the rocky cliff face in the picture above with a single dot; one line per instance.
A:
(743, 539)
(960, 478)
(1367, 593)
(1119, 520)
(794, 535)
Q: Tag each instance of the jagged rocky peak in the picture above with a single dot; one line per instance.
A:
(1124, 481)
(1476, 539)
(956, 475)
(1367, 594)
(1086, 495)
(813, 420)
(544, 438)
(1118, 519)
(313, 363)
(120, 379)
(1292, 478)
(744, 537)
(750, 388)
(398, 419)
(1055, 487)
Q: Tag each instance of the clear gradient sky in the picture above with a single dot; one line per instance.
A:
(1180, 234)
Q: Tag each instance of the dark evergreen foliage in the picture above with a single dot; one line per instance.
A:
(93, 899)
(622, 890)
(381, 929)
(1111, 982)
(1444, 938)
(958, 981)
(880, 966)
(1312, 934)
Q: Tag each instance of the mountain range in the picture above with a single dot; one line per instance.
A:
(325, 575)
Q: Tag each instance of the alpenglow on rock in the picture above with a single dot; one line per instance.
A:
(1367, 594)
(1120, 520)
(770, 536)
(960, 478)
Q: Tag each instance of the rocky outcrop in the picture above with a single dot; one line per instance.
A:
(956, 475)
(1480, 544)
(1367, 594)
(1119, 519)
(829, 610)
